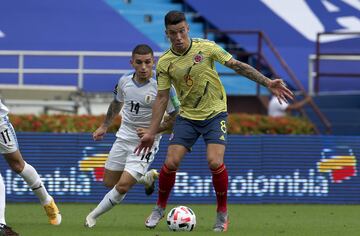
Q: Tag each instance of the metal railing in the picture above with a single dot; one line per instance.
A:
(80, 69)
(314, 60)
(315, 74)
(264, 40)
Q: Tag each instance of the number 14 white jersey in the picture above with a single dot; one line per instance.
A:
(138, 100)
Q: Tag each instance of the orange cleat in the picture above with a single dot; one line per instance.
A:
(53, 213)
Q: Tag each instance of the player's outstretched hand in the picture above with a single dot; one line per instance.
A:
(99, 133)
(146, 142)
(279, 89)
(141, 132)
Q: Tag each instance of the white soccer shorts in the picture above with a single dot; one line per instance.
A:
(122, 157)
(8, 141)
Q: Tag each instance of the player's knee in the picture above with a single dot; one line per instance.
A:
(16, 166)
(15, 161)
(214, 163)
(122, 189)
(172, 165)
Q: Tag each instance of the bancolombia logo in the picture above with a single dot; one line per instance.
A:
(95, 165)
(339, 166)
(251, 185)
(332, 168)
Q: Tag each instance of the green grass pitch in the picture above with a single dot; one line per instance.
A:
(245, 220)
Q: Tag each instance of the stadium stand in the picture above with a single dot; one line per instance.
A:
(148, 17)
(66, 25)
(33, 28)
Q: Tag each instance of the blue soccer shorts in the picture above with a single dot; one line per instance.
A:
(213, 130)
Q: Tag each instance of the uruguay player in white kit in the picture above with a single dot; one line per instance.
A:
(10, 150)
(135, 96)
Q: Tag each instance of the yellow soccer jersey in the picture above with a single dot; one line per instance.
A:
(195, 79)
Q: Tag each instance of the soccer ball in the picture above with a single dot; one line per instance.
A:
(181, 218)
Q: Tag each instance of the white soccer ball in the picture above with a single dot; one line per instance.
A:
(181, 218)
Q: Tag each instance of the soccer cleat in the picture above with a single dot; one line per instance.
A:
(222, 221)
(156, 215)
(7, 231)
(90, 221)
(53, 213)
(150, 177)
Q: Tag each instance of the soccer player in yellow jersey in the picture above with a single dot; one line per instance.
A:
(189, 66)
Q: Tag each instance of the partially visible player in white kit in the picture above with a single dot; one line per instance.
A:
(10, 150)
(135, 94)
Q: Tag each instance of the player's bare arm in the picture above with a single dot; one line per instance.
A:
(276, 86)
(113, 110)
(166, 124)
(158, 111)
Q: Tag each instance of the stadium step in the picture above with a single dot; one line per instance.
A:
(343, 112)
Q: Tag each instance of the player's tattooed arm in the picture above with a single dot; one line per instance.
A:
(248, 71)
(113, 110)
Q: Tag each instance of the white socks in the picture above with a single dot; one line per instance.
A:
(112, 198)
(2, 201)
(33, 180)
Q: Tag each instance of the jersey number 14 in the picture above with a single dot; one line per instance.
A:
(135, 107)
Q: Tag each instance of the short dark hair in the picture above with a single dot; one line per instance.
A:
(142, 49)
(174, 18)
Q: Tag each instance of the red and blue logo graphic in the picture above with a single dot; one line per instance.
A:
(93, 162)
(340, 163)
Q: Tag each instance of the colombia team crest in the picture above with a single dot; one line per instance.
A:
(198, 58)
